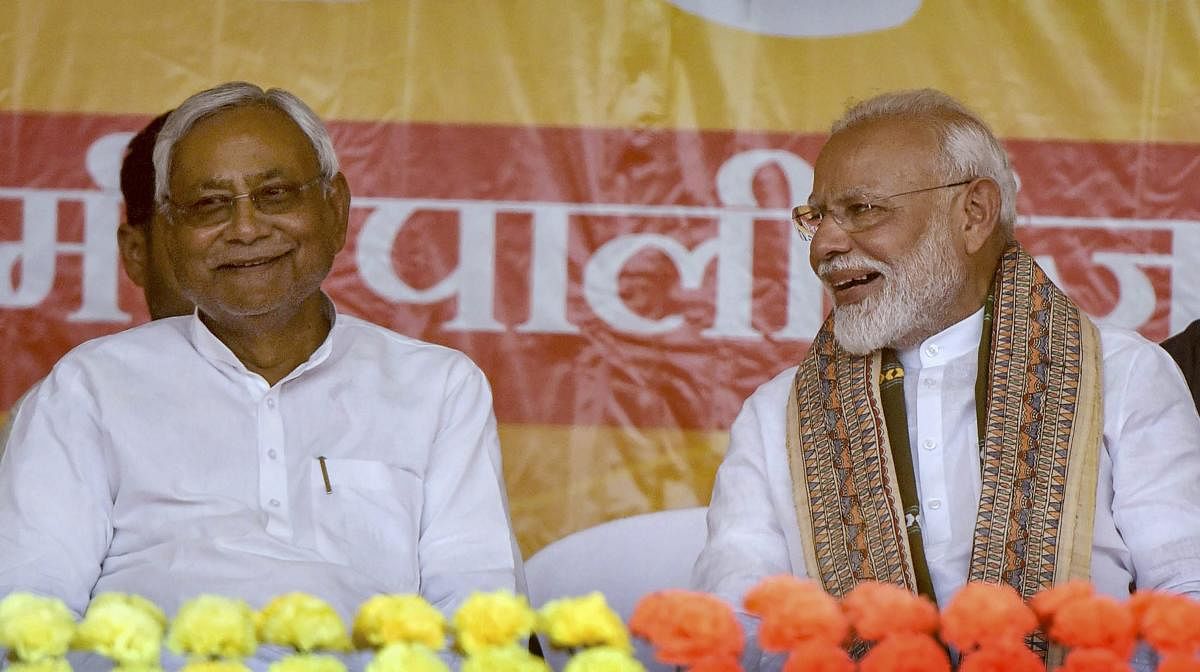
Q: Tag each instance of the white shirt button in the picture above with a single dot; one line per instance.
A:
(274, 502)
(270, 402)
(929, 444)
(272, 454)
(934, 504)
(929, 382)
(932, 349)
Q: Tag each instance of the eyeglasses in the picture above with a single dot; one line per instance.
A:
(855, 216)
(275, 198)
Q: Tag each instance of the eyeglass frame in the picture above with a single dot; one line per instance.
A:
(808, 232)
(171, 208)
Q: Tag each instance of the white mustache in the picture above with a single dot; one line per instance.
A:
(851, 264)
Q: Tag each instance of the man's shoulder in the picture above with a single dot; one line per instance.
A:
(152, 339)
(776, 390)
(1121, 342)
(364, 335)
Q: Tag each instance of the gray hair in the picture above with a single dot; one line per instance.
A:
(969, 148)
(228, 96)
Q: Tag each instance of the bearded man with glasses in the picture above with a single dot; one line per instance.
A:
(957, 417)
(267, 443)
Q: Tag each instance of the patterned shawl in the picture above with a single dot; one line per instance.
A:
(1042, 421)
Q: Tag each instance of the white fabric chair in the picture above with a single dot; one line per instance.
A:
(624, 559)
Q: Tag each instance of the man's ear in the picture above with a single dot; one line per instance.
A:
(338, 200)
(132, 242)
(981, 207)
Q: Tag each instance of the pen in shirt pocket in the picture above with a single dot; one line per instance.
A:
(325, 475)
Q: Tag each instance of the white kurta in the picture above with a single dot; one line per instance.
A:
(153, 462)
(1147, 523)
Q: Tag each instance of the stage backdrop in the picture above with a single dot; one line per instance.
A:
(590, 197)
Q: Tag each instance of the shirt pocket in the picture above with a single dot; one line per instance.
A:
(367, 516)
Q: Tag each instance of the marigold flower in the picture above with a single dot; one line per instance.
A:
(583, 621)
(877, 610)
(511, 658)
(818, 656)
(794, 611)
(307, 663)
(303, 622)
(34, 628)
(211, 626)
(718, 663)
(125, 631)
(984, 612)
(1170, 623)
(603, 659)
(685, 627)
(1048, 602)
(406, 657)
(1096, 622)
(1004, 656)
(392, 619)
(200, 665)
(489, 620)
(1175, 662)
(136, 601)
(906, 653)
(1095, 660)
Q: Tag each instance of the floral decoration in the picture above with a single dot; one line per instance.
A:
(35, 629)
(303, 622)
(211, 626)
(688, 628)
(580, 622)
(490, 620)
(603, 659)
(384, 620)
(127, 629)
(403, 656)
(510, 658)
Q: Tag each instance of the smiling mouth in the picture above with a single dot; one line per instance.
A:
(855, 281)
(251, 263)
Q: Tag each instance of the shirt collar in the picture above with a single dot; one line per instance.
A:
(954, 341)
(222, 358)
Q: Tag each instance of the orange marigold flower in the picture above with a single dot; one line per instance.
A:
(1174, 662)
(1002, 657)
(986, 612)
(686, 627)
(906, 653)
(1095, 660)
(721, 663)
(817, 656)
(773, 590)
(1096, 622)
(1047, 602)
(796, 613)
(1168, 622)
(877, 610)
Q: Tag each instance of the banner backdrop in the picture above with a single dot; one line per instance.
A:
(591, 198)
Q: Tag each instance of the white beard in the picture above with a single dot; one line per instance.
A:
(918, 289)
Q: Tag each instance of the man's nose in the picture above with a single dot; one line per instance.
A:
(829, 241)
(245, 221)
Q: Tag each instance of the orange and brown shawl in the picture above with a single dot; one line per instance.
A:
(1039, 451)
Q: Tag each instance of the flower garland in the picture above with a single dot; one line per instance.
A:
(985, 625)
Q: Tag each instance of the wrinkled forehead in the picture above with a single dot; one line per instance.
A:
(239, 142)
(875, 158)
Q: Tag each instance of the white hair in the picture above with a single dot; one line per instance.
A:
(969, 149)
(231, 95)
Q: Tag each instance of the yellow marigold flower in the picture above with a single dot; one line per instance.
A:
(214, 666)
(307, 663)
(136, 601)
(211, 626)
(303, 622)
(511, 658)
(128, 635)
(388, 619)
(34, 628)
(43, 665)
(493, 619)
(603, 659)
(405, 657)
(577, 622)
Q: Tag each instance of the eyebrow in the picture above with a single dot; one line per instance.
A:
(227, 184)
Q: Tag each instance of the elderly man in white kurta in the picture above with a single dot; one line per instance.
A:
(957, 417)
(267, 443)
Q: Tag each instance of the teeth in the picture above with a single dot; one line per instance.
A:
(860, 278)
